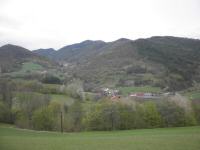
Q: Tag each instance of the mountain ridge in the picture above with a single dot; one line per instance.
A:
(164, 61)
(12, 57)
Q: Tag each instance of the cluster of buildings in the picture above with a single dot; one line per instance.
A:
(114, 94)
(145, 95)
(151, 95)
(110, 92)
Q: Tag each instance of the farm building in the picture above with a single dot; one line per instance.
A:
(110, 92)
(145, 95)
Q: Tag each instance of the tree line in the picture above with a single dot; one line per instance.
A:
(36, 111)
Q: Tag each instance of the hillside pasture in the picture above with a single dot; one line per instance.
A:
(193, 95)
(62, 99)
(128, 90)
(27, 67)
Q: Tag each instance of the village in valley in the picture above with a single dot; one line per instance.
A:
(115, 94)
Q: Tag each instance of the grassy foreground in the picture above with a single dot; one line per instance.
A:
(185, 138)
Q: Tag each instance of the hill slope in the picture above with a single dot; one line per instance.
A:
(12, 57)
(168, 62)
(171, 63)
(74, 52)
(46, 52)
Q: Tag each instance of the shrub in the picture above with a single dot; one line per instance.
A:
(43, 119)
(174, 115)
(21, 119)
(30, 101)
(73, 119)
(127, 116)
(75, 90)
(50, 79)
(103, 116)
(55, 108)
(151, 116)
(5, 113)
(196, 109)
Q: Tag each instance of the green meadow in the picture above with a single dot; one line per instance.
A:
(182, 138)
(128, 90)
(193, 95)
(62, 99)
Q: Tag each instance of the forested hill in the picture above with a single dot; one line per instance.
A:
(172, 63)
(49, 52)
(12, 57)
(168, 62)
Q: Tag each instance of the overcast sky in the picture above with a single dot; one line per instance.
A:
(55, 23)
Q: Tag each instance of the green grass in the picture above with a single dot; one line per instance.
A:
(31, 66)
(186, 138)
(63, 99)
(127, 90)
(28, 67)
(55, 86)
(193, 95)
(6, 125)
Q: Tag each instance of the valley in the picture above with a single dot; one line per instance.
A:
(102, 86)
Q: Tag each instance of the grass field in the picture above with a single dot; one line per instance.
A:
(31, 66)
(128, 90)
(185, 138)
(193, 95)
(63, 99)
(28, 67)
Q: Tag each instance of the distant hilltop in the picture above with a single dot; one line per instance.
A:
(167, 62)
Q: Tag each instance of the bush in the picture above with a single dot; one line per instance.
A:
(92, 120)
(107, 115)
(151, 116)
(73, 119)
(6, 91)
(75, 90)
(21, 119)
(55, 108)
(174, 115)
(103, 116)
(28, 86)
(43, 119)
(50, 79)
(139, 117)
(127, 116)
(196, 109)
(5, 113)
(29, 102)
